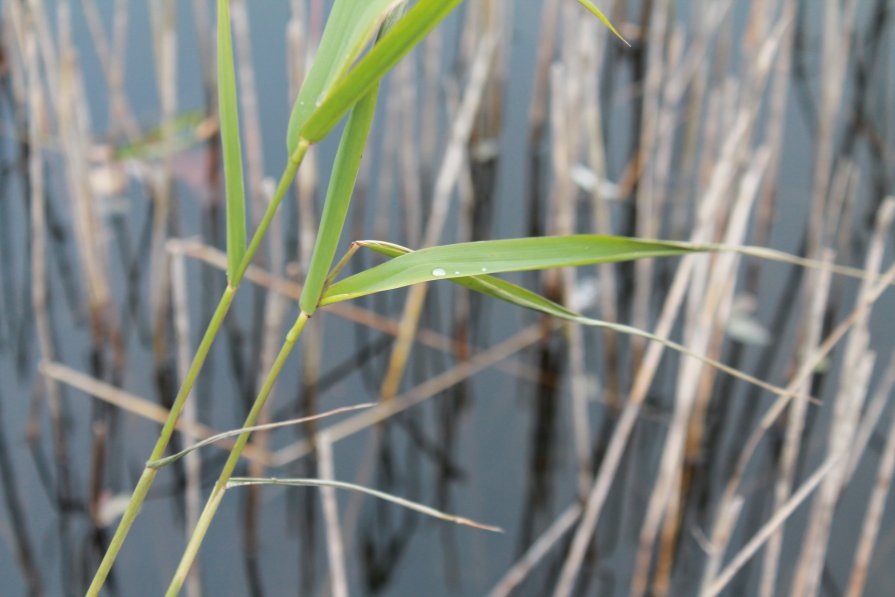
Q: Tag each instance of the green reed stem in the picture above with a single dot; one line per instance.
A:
(214, 326)
(217, 493)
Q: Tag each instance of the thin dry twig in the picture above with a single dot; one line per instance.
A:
(134, 404)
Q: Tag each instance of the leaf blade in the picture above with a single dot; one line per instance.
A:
(230, 143)
(394, 45)
(599, 14)
(496, 256)
(522, 297)
(348, 30)
(338, 199)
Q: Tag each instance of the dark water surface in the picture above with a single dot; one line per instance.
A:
(497, 447)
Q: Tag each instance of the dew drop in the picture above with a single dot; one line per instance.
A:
(438, 272)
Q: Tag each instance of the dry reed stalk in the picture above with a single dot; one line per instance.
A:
(708, 301)
(52, 74)
(722, 177)
(873, 517)
(872, 415)
(615, 449)
(779, 517)
(648, 216)
(205, 43)
(90, 234)
(112, 56)
(538, 111)
(39, 273)
(762, 59)
(592, 42)
(536, 552)
(774, 128)
(407, 138)
(192, 461)
(36, 109)
(803, 373)
(857, 368)
(452, 164)
(838, 23)
(74, 133)
(164, 35)
(136, 405)
(565, 94)
(420, 393)
(466, 197)
(815, 296)
(334, 544)
(725, 524)
(429, 109)
(725, 275)
(693, 76)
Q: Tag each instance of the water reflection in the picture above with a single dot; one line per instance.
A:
(719, 124)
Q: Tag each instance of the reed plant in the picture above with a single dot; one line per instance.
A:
(362, 41)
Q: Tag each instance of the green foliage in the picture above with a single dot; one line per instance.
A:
(349, 29)
(334, 91)
(343, 79)
(232, 148)
(338, 198)
(495, 256)
(597, 13)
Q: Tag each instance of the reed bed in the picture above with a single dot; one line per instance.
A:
(737, 438)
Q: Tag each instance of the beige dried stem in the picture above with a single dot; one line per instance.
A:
(874, 516)
(164, 37)
(857, 367)
(112, 57)
(134, 404)
(705, 324)
(536, 552)
(452, 164)
(565, 94)
(817, 290)
(710, 304)
(192, 462)
(804, 372)
(596, 497)
(758, 540)
(334, 545)
(838, 25)
(648, 215)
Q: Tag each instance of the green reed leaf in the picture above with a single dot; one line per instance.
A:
(338, 198)
(230, 141)
(495, 256)
(339, 97)
(350, 27)
(522, 297)
(597, 13)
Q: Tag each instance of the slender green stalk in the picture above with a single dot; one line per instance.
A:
(217, 493)
(217, 319)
